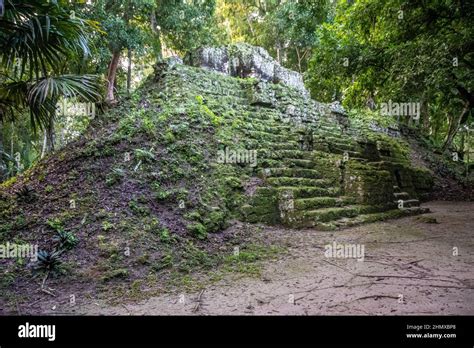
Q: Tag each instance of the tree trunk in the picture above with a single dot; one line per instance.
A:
(453, 128)
(3, 166)
(12, 130)
(156, 33)
(48, 140)
(425, 117)
(299, 59)
(129, 70)
(111, 75)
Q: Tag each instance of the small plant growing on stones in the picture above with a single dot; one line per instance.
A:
(198, 230)
(114, 176)
(26, 194)
(144, 155)
(165, 235)
(64, 240)
(48, 260)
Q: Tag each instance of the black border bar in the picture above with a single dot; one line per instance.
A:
(224, 330)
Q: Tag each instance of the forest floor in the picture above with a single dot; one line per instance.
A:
(410, 266)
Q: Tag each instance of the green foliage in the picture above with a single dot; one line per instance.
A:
(138, 208)
(37, 37)
(165, 236)
(160, 193)
(198, 230)
(119, 273)
(376, 51)
(107, 225)
(56, 224)
(65, 240)
(286, 29)
(26, 194)
(48, 260)
(115, 176)
(145, 155)
(215, 120)
(187, 25)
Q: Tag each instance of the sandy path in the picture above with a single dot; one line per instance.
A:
(408, 268)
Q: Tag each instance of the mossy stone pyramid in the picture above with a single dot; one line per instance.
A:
(317, 168)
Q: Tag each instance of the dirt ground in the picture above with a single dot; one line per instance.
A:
(410, 266)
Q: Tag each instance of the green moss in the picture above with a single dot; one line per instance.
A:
(115, 176)
(138, 208)
(165, 236)
(160, 193)
(8, 183)
(106, 226)
(144, 155)
(214, 221)
(194, 257)
(120, 273)
(246, 260)
(169, 137)
(165, 262)
(198, 230)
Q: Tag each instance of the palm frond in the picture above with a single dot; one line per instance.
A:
(41, 95)
(37, 35)
(36, 38)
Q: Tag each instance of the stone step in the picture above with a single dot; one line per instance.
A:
(271, 163)
(371, 217)
(329, 127)
(292, 154)
(339, 151)
(359, 159)
(311, 218)
(320, 135)
(302, 163)
(408, 203)
(380, 164)
(345, 147)
(295, 181)
(269, 128)
(264, 116)
(265, 136)
(271, 146)
(322, 202)
(289, 145)
(400, 195)
(308, 191)
(392, 160)
(337, 139)
(292, 172)
(270, 120)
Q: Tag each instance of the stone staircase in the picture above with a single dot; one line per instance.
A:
(314, 167)
(306, 170)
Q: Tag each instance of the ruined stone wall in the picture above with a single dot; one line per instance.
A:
(316, 165)
(243, 60)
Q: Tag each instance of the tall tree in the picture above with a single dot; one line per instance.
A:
(284, 28)
(131, 25)
(402, 50)
(124, 27)
(37, 40)
(187, 25)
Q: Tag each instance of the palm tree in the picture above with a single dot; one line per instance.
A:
(38, 41)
